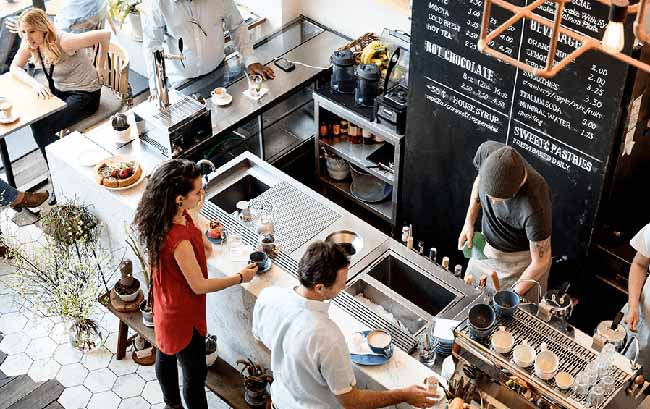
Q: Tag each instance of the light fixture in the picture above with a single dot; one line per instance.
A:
(614, 37)
(612, 43)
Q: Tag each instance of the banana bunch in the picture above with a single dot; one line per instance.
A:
(375, 53)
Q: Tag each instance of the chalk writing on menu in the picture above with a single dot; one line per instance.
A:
(560, 119)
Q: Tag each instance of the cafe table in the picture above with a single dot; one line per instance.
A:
(9, 8)
(28, 106)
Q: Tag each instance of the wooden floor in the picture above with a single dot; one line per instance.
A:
(21, 392)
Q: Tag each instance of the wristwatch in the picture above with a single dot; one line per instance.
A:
(241, 278)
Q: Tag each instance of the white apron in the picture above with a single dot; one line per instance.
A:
(509, 267)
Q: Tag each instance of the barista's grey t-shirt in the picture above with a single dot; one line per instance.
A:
(510, 225)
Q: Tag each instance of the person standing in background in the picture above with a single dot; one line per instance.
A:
(517, 219)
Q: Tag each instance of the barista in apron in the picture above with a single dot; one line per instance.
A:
(637, 309)
(516, 222)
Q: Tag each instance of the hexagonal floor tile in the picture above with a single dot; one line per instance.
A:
(128, 386)
(41, 348)
(135, 403)
(72, 375)
(109, 322)
(67, 354)
(100, 380)
(104, 400)
(58, 333)
(148, 373)
(9, 303)
(16, 364)
(14, 343)
(12, 322)
(99, 358)
(152, 392)
(38, 327)
(111, 342)
(44, 369)
(75, 397)
(122, 366)
(158, 406)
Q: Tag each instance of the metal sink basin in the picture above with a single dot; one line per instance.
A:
(416, 287)
(246, 188)
(407, 318)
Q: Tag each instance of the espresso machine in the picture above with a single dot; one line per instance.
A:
(176, 122)
(497, 379)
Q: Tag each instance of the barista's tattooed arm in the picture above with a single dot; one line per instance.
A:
(540, 254)
(541, 249)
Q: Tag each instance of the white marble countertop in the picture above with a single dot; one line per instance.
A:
(402, 370)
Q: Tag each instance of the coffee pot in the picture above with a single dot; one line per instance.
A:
(610, 332)
(343, 78)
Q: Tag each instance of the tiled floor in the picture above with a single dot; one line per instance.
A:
(39, 348)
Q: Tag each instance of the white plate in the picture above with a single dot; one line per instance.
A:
(142, 177)
(91, 157)
(227, 99)
(9, 120)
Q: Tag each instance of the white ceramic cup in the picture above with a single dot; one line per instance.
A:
(219, 94)
(6, 108)
(524, 355)
(123, 136)
(546, 363)
(502, 340)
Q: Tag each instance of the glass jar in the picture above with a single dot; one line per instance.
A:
(353, 134)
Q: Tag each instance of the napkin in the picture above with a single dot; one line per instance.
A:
(444, 329)
(358, 344)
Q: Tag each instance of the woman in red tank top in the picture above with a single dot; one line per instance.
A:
(177, 255)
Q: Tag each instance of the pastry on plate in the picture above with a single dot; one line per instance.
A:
(118, 172)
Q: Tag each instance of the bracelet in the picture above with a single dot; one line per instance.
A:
(241, 278)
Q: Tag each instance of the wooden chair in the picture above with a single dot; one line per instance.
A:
(115, 90)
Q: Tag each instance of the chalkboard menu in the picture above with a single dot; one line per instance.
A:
(564, 126)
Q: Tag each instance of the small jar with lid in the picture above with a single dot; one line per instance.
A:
(367, 137)
(344, 127)
(354, 133)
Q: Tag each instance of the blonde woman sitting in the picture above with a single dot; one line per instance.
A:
(70, 73)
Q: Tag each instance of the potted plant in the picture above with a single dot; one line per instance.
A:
(256, 379)
(210, 349)
(127, 287)
(121, 10)
(121, 127)
(64, 273)
(146, 307)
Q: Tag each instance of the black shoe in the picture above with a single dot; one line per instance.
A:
(52, 200)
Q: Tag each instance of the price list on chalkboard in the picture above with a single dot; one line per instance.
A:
(563, 125)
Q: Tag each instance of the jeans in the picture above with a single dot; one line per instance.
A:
(8, 194)
(80, 105)
(195, 371)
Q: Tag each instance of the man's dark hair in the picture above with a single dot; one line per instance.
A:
(320, 264)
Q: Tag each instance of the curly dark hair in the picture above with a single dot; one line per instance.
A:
(157, 207)
(320, 264)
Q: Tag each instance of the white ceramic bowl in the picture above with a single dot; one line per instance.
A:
(546, 363)
(523, 355)
(502, 341)
(129, 297)
(564, 380)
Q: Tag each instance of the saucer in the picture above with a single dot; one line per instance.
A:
(9, 120)
(260, 94)
(227, 99)
(216, 241)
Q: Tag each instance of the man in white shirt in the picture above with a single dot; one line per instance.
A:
(200, 24)
(638, 306)
(309, 357)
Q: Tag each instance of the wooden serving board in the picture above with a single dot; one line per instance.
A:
(122, 306)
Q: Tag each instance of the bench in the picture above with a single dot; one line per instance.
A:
(224, 380)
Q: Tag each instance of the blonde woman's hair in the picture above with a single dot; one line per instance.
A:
(50, 49)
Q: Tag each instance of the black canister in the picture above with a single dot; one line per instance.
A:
(367, 84)
(343, 79)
